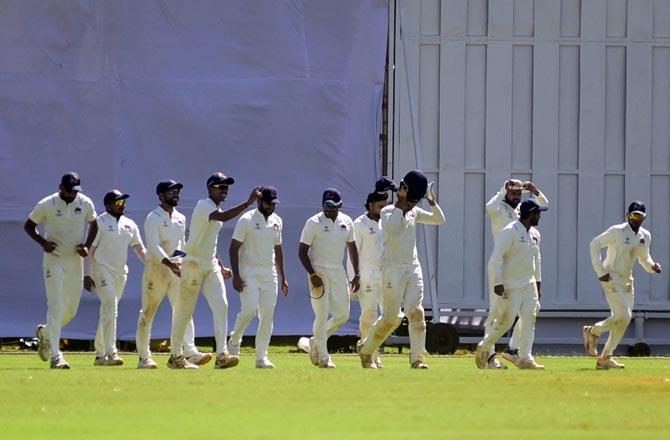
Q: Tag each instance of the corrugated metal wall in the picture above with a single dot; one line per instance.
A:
(572, 94)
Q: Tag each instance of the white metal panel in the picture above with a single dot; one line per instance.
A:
(573, 94)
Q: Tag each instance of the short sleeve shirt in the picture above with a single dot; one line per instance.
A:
(112, 241)
(327, 239)
(259, 238)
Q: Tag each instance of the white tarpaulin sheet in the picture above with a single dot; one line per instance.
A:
(281, 92)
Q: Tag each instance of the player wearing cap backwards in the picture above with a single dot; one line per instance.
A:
(402, 278)
(515, 272)
(321, 252)
(625, 243)
(202, 269)
(502, 209)
(164, 232)
(64, 216)
(106, 271)
(256, 257)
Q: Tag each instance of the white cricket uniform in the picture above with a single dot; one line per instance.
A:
(516, 264)
(624, 246)
(164, 234)
(402, 279)
(257, 269)
(369, 243)
(64, 224)
(327, 240)
(109, 272)
(501, 214)
(201, 270)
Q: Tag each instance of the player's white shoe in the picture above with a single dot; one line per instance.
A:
(199, 359)
(377, 360)
(530, 364)
(234, 350)
(180, 363)
(607, 362)
(147, 364)
(493, 363)
(590, 341)
(99, 361)
(419, 364)
(303, 344)
(113, 360)
(366, 359)
(264, 363)
(59, 363)
(43, 348)
(226, 360)
(326, 363)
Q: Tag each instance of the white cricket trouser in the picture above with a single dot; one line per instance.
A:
(158, 281)
(259, 296)
(334, 301)
(514, 340)
(369, 298)
(522, 301)
(63, 281)
(109, 288)
(620, 296)
(197, 274)
(402, 287)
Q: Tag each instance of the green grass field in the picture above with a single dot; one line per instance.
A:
(296, 400)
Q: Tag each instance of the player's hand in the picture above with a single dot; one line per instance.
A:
(89, 284)
(81, 250)
(238, 283)
(284, 287)
(657, 267)
(355, 284)
(430, 195)
(49, 246)
(316, 280)
(499, 290)
(605, 278)
(255, 195)
(226, 272)
(513, 184)
(530, 186)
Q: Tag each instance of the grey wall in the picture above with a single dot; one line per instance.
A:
(572, 94)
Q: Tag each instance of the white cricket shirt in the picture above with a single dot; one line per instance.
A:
(259, 238)
(399, 233)
(624, 246)
(501, 213)
(327, 239)
(164, 233)
(515, 261)
(369, 241)
(203, 234)
(64, 223)
(112, 241)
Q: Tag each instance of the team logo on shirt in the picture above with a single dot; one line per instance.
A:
(58, 213)
(535, 240)
(165, 224)
(258, 226)
(77, 210)
(47, 274)
(389, 285)
(522, 239)
(326, 229)
(275, 227)
(127, 228)
(642, 241)
(372, 230)
(343, 227)
(110, 227)
(627, 240)
(103, 283)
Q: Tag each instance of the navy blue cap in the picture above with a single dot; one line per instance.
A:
(529, 206)
(269, 194)
(166, 185)
(385, 184)
(331, 197)
(113, 196)
(637, 207)
(71, 181)
(219, 179)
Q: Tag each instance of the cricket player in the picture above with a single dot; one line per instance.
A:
(164, 231)
(625, 243)
(515, 272)
(321, 251)
(402, 278)
(106, 272)
(203, 270)
(64, 216)
(502, 209)
(256, 258)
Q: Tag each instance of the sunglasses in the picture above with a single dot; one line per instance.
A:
(172, 192)
(219, 185)
(636, 216)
